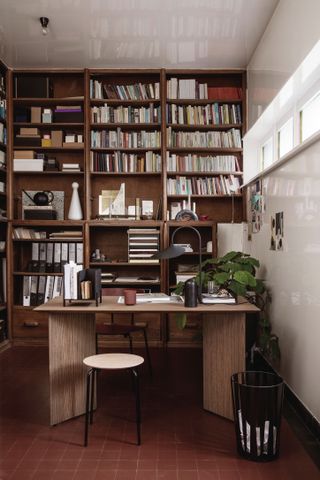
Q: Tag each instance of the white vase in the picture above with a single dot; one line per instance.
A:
(75, 210)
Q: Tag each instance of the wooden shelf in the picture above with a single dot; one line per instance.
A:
(226, 126)
(198, 101)
(48, 125)
(227, 151)
(124, 126)
(113, 101)
(122, 174)
(49, 149)
(122, 149)
(192, 223)
(126, 223)
(123, 264)
(47, 240)
(238, 195)
(48, 101)
(47, 223)
(202, 174)
(37, 274)
(49, 173)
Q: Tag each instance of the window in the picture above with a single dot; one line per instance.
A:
(267, 154)
(285, 138)
(310, 117)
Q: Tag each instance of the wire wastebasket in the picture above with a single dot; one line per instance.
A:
(257, 405)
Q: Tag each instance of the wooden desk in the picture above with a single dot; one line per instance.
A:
(72, 338)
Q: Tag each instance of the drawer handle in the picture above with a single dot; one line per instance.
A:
(31, 324)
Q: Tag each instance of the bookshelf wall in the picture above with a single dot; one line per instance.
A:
(172, 137)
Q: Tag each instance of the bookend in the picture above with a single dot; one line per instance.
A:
(94, 276)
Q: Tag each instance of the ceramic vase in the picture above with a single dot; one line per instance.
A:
(75, 210)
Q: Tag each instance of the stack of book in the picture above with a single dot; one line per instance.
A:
(107, 277)
(71, 167)
(143, 243)
(28, 136)
(66, 235)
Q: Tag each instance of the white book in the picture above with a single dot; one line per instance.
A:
(49, 288)
(72, 252)
(26, 291)
(79, 252)
(57, 287)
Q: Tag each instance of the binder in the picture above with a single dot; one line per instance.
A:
(79, 251)
(57, 287)
(26, 291)
(34, 264)
(49, 259)
(42, 257)
(57, 258)
(72, 252)
(33, 290)
(41, 289)
(64, 255)
(49, 288)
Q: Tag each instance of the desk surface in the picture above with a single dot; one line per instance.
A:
(109, 304)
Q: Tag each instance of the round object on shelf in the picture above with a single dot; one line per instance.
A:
(186, 215)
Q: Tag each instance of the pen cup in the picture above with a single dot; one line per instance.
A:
(130, 297)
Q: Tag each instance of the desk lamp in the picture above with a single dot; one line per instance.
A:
(176, 250)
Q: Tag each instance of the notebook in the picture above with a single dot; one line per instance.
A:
(149, 297)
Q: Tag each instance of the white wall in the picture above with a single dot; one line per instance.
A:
(294, 188)
(293, 274)
(289, 36)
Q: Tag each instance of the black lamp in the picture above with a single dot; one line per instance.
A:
(176, 250)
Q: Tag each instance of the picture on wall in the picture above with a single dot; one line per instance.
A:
(277, 235)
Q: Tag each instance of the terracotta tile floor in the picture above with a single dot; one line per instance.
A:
(180, 441)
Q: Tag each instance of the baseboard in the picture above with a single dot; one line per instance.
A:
(306, 417)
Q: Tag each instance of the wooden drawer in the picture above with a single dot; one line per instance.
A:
(29, 324)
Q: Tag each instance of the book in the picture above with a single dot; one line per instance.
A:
(149, 298)
(216, 298)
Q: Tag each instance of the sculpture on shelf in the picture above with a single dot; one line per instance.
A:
(75, 210)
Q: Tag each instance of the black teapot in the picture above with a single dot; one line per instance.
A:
(43, 198)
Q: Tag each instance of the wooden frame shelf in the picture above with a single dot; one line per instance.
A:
(204, 196)
(49, 172)
(119, 102)
(125, 126)
(209, 127)
(48, 101)
(201, 101)
(49, 149)
(202, 174)
(123, 149)
(122, 264)
(48, 125)
(37, 274)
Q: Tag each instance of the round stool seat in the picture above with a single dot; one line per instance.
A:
(113, 361)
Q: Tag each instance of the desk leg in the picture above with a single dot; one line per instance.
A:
(71, 339)
(223, 354)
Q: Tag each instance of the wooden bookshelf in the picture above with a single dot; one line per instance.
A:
(136, 114)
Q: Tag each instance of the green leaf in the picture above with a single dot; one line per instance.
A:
(179, 288)
(252, 261)
(260, 288)
(221, 278)
(245, 278)
(237, 288)
(181, 320)
(230, 256)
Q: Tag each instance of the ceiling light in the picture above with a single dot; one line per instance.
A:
(44, 25)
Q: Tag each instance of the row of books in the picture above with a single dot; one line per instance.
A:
(192, 89)
(21, 233)
(3, 134)
(143, 243)
(229, 139)
(122, 139)
(3, 109)
(196, 163)
(125, 162)
(220, 185)
(136, 91)
(128, 114)
(2, 187)
(40, 289)
(51, 257)
(211, 114)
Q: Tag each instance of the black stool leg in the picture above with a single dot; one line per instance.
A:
(138, 414)
(147, 351)
(93, 383)
(97, 348)
(86, 425)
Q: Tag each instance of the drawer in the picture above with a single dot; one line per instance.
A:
(29, 324)
(191, 334)
(152, 320)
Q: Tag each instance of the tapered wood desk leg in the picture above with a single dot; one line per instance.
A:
(223, 354)
(71, 339)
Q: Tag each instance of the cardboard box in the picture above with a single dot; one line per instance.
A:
(35, 114)
(23, 154)
(56, 138)
(29, 131)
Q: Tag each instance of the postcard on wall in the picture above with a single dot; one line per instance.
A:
(256, 206)
(277, 233)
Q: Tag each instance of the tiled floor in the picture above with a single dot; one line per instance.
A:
(180, 441)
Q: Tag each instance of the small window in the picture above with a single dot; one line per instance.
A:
(285, 138)
(310, 117)
(267, 154)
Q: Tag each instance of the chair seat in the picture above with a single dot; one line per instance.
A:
(113, 361)
(116, 329)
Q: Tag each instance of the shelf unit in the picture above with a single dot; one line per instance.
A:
(125, 139)
(4, 310)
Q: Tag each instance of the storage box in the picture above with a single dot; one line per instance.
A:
(35, 114)
(41, 214)
(68, 117)
(27, 141)
(23, 154)
(56, 138)
(29, 131)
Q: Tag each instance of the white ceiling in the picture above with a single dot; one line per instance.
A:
(132, 33)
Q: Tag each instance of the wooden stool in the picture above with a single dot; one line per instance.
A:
(111, 361)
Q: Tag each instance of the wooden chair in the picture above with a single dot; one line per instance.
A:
(125, 330)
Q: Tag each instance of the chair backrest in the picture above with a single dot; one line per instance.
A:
(116, 292)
